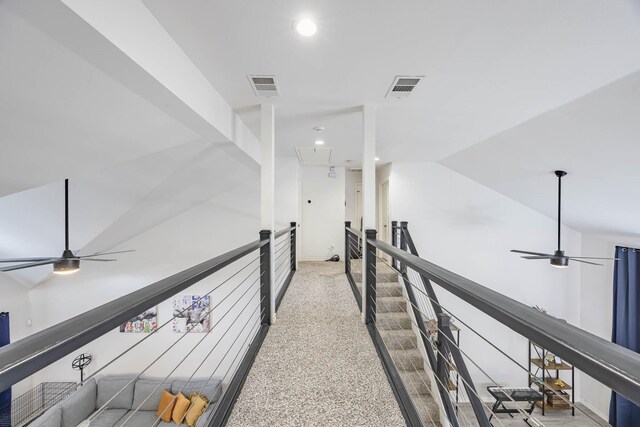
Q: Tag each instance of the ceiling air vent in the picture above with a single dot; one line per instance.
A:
(264, 85)
(402, 86)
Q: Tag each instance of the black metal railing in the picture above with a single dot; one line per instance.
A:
(236, 305)
(353, 251)
(610, 364)
(284, 260)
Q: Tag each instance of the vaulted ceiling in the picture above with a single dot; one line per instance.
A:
(512, 91)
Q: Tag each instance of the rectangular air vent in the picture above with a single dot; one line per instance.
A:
(264, 85)
(314, 156)
(403, 86)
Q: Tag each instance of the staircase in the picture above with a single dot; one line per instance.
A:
(395, 326)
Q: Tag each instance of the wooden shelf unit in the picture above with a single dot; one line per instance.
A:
(545, 376)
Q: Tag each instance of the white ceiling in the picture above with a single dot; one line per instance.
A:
(596, 139)
(489, 65)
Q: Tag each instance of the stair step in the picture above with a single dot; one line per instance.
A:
(417, 383)
(427, 409)
(399, 339)
(391, 305)
(407, 360)
(385, 289)
(382, 276)
(393, 321)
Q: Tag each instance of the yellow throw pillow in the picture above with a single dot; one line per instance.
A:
(182, 404)
(165, 408)
(198, 406)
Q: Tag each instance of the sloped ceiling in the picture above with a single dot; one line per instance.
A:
(113, 205)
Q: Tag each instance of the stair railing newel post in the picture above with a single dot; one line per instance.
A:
(394, 241)
(265, 277)
(294, 259)
(370, 274)
(432, 359)
(347, 248)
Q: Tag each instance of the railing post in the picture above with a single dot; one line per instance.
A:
(403, 237)
(370, 313)
(347, 248)
(265, 277)
(445, 340)
(294, 256)
(394, 241)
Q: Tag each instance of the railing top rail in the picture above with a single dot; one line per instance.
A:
(282, 232)
(355, 232)
(611, 364)
(28, 355)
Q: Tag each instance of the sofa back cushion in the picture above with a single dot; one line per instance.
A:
(77, 407)
(211, 388)
(145, 387)
(108, 387)
(51, 418)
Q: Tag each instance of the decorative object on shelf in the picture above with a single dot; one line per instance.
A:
(558, 258)
(192, 313)
(146, 322)
(68, 262)
(80, 362)
(545, 369)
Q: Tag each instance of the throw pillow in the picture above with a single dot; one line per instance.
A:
(179, 411)
(165, 408)
(198, 406)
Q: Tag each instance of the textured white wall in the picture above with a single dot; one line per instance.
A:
(351, 179)
(469, 229)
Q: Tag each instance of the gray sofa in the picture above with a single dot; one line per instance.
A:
(81, 404)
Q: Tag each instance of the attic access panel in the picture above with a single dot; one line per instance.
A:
(314, 156)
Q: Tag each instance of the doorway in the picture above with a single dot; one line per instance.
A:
(384, 222)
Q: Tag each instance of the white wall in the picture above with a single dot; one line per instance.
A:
(286, 198)
(322, 219)
(351, 179)
(469, 229)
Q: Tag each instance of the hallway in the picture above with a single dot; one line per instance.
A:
(317, 366)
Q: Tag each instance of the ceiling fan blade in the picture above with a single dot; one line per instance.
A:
(592, 257)
(540, 257)
(98, 259)
(26, 259)
(28, 265)
(584, 262)
(530, 253)
(105, 253)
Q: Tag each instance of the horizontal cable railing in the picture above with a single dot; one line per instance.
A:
(218, 328)
(458, 367)
(284, 260)
(353, 251)
(33, 403)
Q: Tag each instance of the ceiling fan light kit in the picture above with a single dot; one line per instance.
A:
(558, 259)
(69, 262)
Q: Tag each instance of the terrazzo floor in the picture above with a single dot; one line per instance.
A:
(317, 365)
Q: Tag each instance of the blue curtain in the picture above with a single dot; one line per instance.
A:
(5, 396)
(626, 327)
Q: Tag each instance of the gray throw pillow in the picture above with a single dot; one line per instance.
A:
(145, 387)
(109, 387)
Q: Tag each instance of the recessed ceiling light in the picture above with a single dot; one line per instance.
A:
(376, 159)
(319, 142)
(306, 27)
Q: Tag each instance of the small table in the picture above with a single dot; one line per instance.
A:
(513, 394)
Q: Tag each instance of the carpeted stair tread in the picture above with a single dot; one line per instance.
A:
(407, 360)
(391, 304)
(399, 339)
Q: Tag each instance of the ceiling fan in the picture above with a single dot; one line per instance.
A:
(67, 263)
(558, 258)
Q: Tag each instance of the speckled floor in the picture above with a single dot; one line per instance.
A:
(317, 365)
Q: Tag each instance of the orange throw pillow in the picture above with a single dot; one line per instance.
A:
(165, 408)
(180, 409)
(198, 406)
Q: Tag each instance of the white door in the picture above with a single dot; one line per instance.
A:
(358, 211)
(384, 223)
